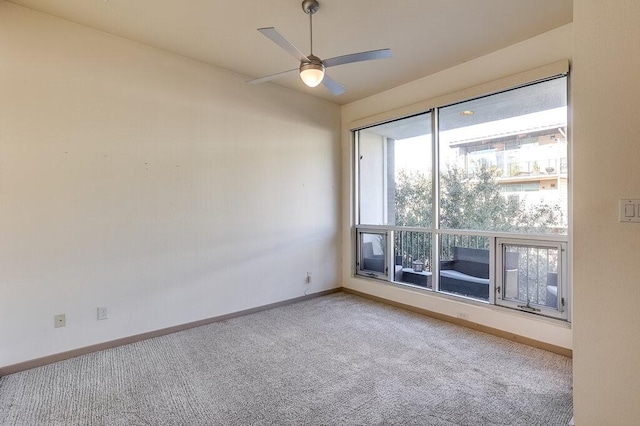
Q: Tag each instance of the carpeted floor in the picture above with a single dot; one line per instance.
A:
(333, 360)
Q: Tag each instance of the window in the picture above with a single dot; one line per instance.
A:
(514, 141)
(529, 276)
(465, 266)
(413, 257)
(372, 254)
(395, 172)
(477, 209)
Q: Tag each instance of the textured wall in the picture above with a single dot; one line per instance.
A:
(158, 186)
(606, 131)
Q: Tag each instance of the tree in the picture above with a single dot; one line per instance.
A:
(474, 202)
(477, 203)
(413, 207)
(413, 199)
(466, 202)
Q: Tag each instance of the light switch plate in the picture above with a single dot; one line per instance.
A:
(629, 210)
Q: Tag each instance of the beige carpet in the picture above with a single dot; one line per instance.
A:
(333, 360)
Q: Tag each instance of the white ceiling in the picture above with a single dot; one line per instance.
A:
(425, 36)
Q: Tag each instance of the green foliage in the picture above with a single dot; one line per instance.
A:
(475, 203)
(414, 204)
(471, 203)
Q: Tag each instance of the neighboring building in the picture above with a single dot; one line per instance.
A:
(531, 160)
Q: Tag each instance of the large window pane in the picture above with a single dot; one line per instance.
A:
(395, 173)
(503, 161)
(372, 181)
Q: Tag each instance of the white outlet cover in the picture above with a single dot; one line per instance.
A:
(59, 320)
(103, 313)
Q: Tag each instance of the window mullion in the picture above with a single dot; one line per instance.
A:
(435, 191)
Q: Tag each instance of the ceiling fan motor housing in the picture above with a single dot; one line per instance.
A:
(310, 6)
(314, 63)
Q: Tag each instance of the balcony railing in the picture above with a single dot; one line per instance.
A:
(535, 168)
(412, 246)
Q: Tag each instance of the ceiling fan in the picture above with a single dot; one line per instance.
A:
(311, 67)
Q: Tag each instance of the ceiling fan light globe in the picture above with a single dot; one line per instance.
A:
(311, 77)
(312, 74)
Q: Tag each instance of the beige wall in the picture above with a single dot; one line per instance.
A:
(472, 77)
(606, 159)
(163, 188)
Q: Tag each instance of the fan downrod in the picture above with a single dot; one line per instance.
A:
(310, 6)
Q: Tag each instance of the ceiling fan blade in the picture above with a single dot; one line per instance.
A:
(278, 39)
(334, 87)
(357, 57)
(270, 77)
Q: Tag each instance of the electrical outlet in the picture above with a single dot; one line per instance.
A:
(103, 313)
(308, 278)
(59, 320)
